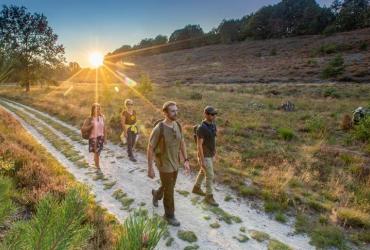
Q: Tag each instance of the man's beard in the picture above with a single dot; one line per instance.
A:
(173, 118)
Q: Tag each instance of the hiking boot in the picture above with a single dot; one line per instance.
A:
(197, 190)
(210, 200)
(133, 159)
(172, 221)
(155, 200)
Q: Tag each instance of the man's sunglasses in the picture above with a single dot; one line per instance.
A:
(211, 114)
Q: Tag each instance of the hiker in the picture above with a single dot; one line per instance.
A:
(130, 129)
(97, 132)
(166, 146)
(205, 136)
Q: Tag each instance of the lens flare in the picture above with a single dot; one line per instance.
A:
(96, 59)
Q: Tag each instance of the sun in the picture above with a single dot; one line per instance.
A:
(96, 59)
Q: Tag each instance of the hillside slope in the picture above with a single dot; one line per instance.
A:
(298, 59)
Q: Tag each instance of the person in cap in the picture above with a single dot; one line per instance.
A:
(206, 150)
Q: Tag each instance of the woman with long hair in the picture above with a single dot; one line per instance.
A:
(98, 133)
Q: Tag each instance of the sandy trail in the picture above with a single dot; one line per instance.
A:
(120, 173)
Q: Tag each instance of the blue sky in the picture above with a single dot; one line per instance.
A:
(105, 25)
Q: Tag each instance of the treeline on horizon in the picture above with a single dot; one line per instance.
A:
(287, 18)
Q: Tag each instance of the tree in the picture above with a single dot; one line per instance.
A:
(230, 30)
(188, 32)
(29, 40)
(352, 14)
(288, 18)
(5, 69)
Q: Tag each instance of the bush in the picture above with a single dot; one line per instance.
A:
(145, 85)
(325, 237)
(334, 68)
(362, 130)
(141, 232)
(56, 225)
(286, 133)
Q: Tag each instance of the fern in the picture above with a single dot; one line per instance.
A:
(55, 226)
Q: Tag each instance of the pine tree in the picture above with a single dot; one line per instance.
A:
(55, 226)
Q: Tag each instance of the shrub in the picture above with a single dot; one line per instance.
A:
(325, 237)
(334, 68)
(362, 130)
(141, 232)
(145, 85)
(286, 133)
(56, 225)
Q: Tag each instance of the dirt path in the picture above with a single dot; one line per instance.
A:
(124, 186)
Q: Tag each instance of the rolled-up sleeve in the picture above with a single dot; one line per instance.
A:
(154, 136)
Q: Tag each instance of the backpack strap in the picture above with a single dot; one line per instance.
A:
(161, 141)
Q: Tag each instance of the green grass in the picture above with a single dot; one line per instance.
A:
(259, 236)
(279, 216)
(261, 154)
(191, 247)
(224, 216)
(183, 192)
(354, 218)
(228, 198)
(277, 245)
(286, 134)
(169, 241)
(215, 225)
(188, 236)
(141, 231)
(328, 236)
(61, 145)
(109, 185)
(242, 238)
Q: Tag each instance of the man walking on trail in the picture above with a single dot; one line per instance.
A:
(166, 145)
(206, 150)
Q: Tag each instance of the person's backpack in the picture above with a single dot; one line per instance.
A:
(159, 148)
(85, 132)
(359, 114)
